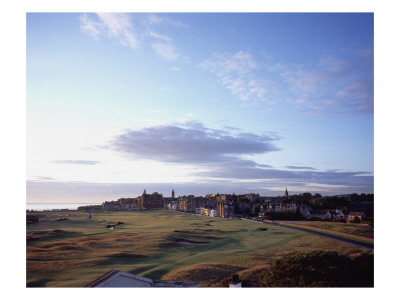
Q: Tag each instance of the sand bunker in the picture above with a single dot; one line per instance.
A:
(188, 242)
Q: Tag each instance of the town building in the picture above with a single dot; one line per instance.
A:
(120, 204)
(252, 197)
(321, 214)
(225, 209)
(151, 201)
(305, 211)
(208, 211)
(351, 216)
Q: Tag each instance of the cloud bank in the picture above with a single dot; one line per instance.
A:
(192, 143)
(220, 155)
(85, 192)
(216, 161)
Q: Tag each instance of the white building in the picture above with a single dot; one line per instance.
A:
(213, 213)
(115, 278)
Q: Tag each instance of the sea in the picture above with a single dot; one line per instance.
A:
(57, 206)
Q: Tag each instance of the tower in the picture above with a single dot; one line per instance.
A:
(286, 193)
(173, 194)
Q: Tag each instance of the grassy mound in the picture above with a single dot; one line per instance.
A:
(206, 273)
(49, 235)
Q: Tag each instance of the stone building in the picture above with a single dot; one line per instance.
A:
(151, 201)
(225, 209)
(208, 211)
(358, 214)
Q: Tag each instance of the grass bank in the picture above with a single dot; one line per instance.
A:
(354, 232)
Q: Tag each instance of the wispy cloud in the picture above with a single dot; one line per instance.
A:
(45, 178)
(157, 111)
(331, 85)
(298, 168)
(166, 51)
(77, 162)
(161, 20)
(112, 25)
(120, 26)
(160, 36)
(237, 73)
(231, 128)
(240, 63)
(90, 26)
(357, 95)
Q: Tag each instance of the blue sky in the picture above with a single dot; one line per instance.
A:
(202, 103)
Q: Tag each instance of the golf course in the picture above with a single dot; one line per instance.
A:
(70, 250)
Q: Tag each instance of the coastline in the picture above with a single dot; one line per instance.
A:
(51, 206)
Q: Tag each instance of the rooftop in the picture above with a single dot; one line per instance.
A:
(116, 278)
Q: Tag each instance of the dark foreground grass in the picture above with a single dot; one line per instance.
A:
(158, 244)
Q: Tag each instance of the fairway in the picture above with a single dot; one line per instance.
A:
(158, 244)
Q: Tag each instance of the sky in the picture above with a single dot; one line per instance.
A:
(198, 102)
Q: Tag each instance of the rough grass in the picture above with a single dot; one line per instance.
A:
(206, 273)
(363, 231)
(149, 243)
(258, 263)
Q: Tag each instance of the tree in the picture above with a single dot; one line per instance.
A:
(356, 220)
(306, 196)
(354, 197)
(363, 197)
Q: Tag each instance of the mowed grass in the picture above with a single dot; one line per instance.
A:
(158, 244)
